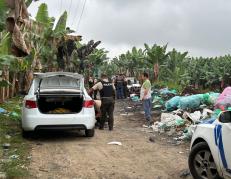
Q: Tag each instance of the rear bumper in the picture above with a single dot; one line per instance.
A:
(60, 127)
(32, 120)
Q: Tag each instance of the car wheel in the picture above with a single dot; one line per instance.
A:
(26, 134)
(201, 162)
(90, 132)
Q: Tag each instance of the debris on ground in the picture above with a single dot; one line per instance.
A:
(14, 114)
(2, 110)
(114, 143)
(14, 156)
(6, 146)
(184, 173)
(152, 139)
(7, 136)
(180, 114)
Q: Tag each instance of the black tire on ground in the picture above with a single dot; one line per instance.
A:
(26, 134)
(200, 149)
(90, 132)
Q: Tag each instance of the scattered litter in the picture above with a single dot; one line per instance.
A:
(43, 170)
(152, 139)
(14, 156)
(180, 152)
(184, 173)
(127, 114)
(135, 98)
(7, 136)
(6, 146)
(14, 114)
(2, 110)
(114, 143)
(194, 117)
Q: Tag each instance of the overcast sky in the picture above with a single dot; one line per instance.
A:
(201, 27)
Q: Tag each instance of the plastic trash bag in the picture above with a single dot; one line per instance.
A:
(172, 104)
(194, 117)
(14, 114)
(208, 121)
(2, 110)
(224, 100)
(213, 98)
(166, 91)
(179, 122)
(190, 102)
(135, 98)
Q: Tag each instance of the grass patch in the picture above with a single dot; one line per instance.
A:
(13, 161)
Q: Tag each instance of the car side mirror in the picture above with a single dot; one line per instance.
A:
(225, 117)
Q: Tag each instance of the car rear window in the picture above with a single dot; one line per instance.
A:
(60, 82)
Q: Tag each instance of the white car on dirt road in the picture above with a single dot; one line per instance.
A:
(210, 156)
(58, 100)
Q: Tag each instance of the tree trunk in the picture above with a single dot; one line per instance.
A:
(8, 87)
(156, 71)
(12, 89)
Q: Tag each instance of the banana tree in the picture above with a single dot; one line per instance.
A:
(95, 60)
(156, 55)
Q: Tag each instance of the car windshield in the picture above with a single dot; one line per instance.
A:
(60, 82)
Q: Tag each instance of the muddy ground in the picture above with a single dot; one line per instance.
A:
(71, 155)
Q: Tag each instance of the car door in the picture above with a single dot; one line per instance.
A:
(223, 141)
(226, 135)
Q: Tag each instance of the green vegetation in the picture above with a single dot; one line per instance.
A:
(173, 68)
(14, 161)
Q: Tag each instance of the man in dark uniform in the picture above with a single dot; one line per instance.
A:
(120, 87)
(107, 95)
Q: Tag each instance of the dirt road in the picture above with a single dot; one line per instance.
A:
(70, 155)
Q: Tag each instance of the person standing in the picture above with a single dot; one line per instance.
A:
(145, 96)
(107, 95)
(119, 87)
(96, 91)
(125, 88)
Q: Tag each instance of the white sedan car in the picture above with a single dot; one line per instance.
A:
(210, 156)
(58, 100)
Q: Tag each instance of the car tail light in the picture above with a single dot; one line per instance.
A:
(30, 104)
(88, 104)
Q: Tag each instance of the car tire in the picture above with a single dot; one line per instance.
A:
(201, 162)
(90, 132)
(26, 134)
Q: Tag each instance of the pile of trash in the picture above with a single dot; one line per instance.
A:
(179, 123)
(159, 97)
(13, 114)
(180, 114)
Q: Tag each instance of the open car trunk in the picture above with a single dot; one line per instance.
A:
(60, 104)
(59, 95)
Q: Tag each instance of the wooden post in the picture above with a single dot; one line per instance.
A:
(8, 87)
(1, 96)
(12, 88)
(3, 88)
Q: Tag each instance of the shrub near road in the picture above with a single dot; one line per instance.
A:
(14, 149)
